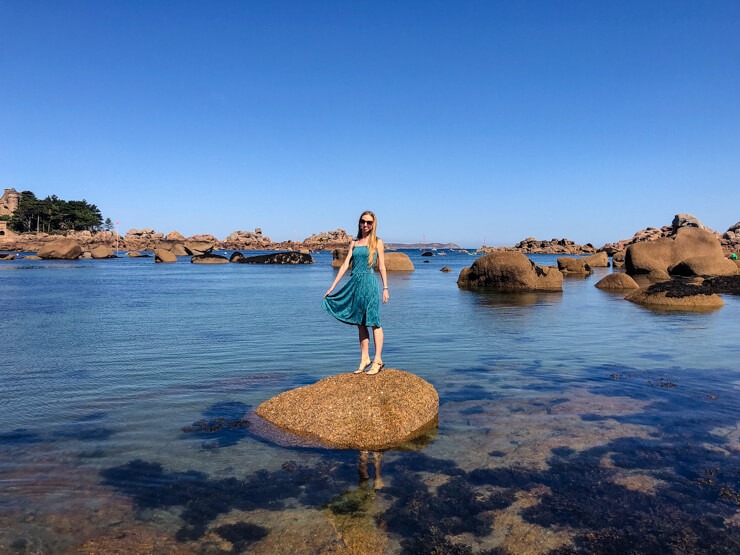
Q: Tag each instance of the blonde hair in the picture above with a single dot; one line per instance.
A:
(372, 239)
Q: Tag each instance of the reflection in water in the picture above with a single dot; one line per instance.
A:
(363, 468)
(489, 298)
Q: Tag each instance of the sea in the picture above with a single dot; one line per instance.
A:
(570, 422)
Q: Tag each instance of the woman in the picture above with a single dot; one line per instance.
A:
(358, 302)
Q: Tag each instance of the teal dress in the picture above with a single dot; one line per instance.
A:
(358, 302)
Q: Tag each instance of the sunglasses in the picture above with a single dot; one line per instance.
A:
(366, 222)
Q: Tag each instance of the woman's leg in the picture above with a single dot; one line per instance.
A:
(364, 343)
(378, 340)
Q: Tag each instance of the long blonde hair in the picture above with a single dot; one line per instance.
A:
(372, 239)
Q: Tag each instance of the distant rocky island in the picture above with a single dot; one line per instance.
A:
(422, 246)
(148, 239)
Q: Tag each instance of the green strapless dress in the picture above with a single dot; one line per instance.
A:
(358, 302)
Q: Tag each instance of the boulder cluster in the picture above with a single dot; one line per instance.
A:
(328, 240)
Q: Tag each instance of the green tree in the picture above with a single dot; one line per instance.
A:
(54, 214)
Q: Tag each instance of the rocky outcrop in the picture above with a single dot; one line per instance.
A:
(357, 411)
(328, 240)
(530, 245)
(597, 260)
(574, 266)
(62, 249)
(102, 252)
(7, 257)
(394, 261)
(704, 266)
(245, 240)
(136, 254)
(174, 236)
(617, 281)
(163, 255)
(731, 239)
(274, 258)
(667, 253)
(209, 258)
(510, 271)
(196, 247)
(676, 294)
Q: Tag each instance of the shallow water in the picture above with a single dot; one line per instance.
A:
(569, 422)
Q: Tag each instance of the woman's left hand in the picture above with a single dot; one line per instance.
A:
(386, 295)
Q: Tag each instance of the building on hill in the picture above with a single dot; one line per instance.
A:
(8, 204)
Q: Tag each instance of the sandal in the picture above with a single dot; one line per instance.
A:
(376, 367)
(363, 365)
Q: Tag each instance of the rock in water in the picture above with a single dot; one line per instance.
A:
(357, 411)
(510, 271)
(62, 249)
(274, 258)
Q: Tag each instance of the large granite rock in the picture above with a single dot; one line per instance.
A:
(598, 260)
(196, 248)
(357, 411)
(102, 252)
(617, 281)
(569, 265)
(703, 266)
(667, 253)
(62, 249)
(165, 256)
(676, 294)
(394, 261)
(274, 258)
(510, 271)
(327, 240)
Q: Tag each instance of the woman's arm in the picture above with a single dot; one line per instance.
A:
(342, 269)
(381, 268)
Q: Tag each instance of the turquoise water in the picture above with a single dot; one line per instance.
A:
(569, 422)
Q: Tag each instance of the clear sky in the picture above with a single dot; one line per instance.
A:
(453, 121)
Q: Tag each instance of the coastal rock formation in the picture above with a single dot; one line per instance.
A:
(102, 252)
(731, 239)
(704, 266)
(136, 254)
(666, 253)
(245, 240)
(197, 247)
(530, 245)
(676, 294)
(174, 236)
(617, 281)
(62, 249)
(327, 240)
(357, 411)
(394, 261)
(597, 260)
(7, 257)
(574, 266)
(209, 258)
(163, 255)
(510, 271)
(274, 258)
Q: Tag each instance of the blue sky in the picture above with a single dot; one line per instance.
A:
(453, 121)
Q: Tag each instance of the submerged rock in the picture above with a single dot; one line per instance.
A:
(209, 258)
(357, 411)
(510, 271)
(275, 258)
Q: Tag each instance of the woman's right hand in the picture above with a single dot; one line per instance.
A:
(328, 292)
